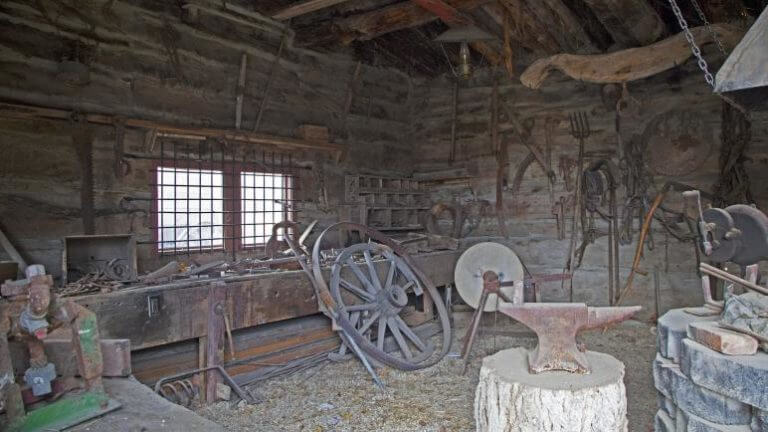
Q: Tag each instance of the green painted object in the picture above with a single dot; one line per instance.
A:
(66, 412)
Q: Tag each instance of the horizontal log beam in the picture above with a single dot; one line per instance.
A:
(31, 112)
(627, 65)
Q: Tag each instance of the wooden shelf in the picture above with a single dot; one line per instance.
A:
(387, 203)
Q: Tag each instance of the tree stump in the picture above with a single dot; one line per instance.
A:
(511, 399)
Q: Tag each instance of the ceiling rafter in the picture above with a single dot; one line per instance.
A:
(453, 18)
(375, 23)
(303, 8)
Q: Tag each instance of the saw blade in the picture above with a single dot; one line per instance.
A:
(478, 259)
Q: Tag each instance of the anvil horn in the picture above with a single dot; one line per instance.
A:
(604, 316)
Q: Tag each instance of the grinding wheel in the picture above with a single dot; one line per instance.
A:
(478, 259)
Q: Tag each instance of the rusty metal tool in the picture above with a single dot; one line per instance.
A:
(558, 210)
(579, 130)
(239, 391)
(491, 286)
(556, 325)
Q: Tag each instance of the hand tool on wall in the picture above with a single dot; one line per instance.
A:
(82, 139)
(520, 132)
(579, 130)
(558, 210)
(240, 91)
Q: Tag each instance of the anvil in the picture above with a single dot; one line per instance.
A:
(556, 325)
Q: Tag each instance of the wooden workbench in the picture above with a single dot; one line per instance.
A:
(181, 308)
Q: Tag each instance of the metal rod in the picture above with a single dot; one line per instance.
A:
(723, 275)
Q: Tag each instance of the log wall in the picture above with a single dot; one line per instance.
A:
(154, 60)
(530, 221)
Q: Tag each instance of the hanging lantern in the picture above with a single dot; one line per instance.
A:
(463, 36)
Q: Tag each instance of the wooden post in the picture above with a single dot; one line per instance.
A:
(217, 296)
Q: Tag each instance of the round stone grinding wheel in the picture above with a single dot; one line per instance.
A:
(478, 259)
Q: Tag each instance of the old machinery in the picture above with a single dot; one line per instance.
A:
(488, 274)
(28, 313)
(555, 324)
(472, 266)
(737, 233)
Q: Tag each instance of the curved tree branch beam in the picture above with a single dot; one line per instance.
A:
(630, 64)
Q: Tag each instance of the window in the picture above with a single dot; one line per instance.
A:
(190, 207)
(264, 201)
(217, 196)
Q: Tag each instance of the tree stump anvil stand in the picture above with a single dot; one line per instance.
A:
(510, 398)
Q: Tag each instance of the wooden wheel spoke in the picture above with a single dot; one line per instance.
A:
(407, 285)
(390, 274)
(367, 324)
(360, 307)
(393, 327)
(372, 270)
(360, 276)
(410, 334)
(381, 334)
(355, 290)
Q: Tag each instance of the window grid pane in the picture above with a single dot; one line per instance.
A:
(264, 201)
(190, 205)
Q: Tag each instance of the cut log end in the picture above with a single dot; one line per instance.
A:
(509, 398)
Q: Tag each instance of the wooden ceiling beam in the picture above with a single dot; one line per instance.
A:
(453, 18)
(525, 27)
(378, 22)
(563, 25)
(303, 8)
(629, 22)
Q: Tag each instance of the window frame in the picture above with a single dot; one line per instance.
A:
(287, 214)
(232, 199)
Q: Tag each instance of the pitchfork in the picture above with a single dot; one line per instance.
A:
(580, 131)
(579, 125)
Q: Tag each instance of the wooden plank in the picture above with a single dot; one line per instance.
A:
(32, 112)
(370, 25)
(525, 27)
(217, 295)
(303, 8)
(12, 252)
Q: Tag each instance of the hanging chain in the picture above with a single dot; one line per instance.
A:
(694, 48)
(709, 27)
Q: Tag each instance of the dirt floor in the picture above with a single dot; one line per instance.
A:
(341, 397)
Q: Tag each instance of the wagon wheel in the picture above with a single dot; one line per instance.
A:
(363, 300)
(371, 300)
